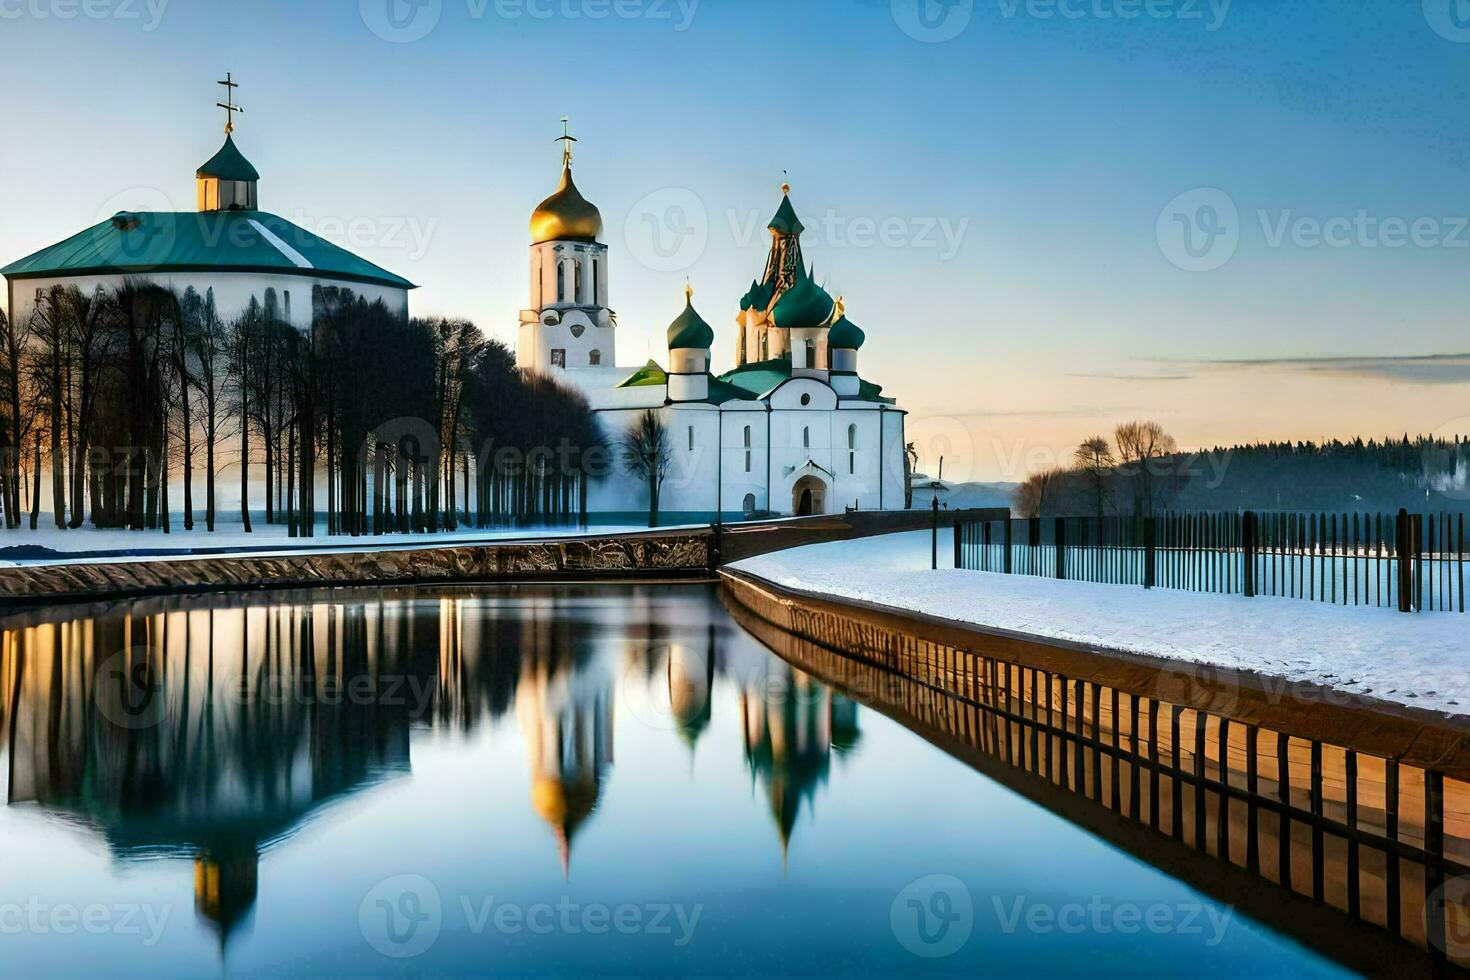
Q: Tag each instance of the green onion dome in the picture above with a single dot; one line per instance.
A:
(689, 331)
(229, 164)
(805, 305)
(845, 335)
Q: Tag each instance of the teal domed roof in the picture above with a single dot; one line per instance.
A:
(845, 335)
(803, 306)
(229, 164)
(689, 331)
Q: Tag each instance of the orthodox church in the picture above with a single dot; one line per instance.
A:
(228, 250)
(792, 430)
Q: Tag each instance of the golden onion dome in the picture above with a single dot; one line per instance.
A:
(566, 215)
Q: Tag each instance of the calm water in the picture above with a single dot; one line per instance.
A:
(542, 781)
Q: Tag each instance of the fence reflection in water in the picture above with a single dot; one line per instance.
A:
(1383, 842)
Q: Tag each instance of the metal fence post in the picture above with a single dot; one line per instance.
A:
(1150, 553)
(1061, 539)
(958, 529)
(1248, 550)
(934, 544)
(1404, 550)
(1008, 545)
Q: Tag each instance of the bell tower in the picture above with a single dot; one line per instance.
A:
(228, 182)
(567, 324)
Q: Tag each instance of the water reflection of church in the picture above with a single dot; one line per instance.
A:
(218, 733)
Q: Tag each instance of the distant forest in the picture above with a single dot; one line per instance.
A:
(1141, 471)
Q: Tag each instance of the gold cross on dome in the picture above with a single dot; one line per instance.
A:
(229, 103)
(566, 139)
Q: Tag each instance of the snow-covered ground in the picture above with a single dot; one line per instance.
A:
(1422, 659)
(229, 537)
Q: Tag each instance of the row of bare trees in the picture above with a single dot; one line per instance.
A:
(1132, 475)
(114, 397)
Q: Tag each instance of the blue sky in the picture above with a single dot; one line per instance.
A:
(1031, 176)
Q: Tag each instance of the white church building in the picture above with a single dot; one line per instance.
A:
(228, 250)
(792, 430)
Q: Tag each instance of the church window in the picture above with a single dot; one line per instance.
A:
(577, 278)
(691, 438)
(749, 505)
(561, 282)
(811, 353)
(559, 358)
(596, 276)
(595, 358)
(765, 348)
(747, 449)
(851, 449)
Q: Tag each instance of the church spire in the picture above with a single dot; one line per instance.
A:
(228, 181)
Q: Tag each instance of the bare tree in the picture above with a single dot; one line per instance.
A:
(648, 454)
(208, 341)
(1032, 496)
(1094, 457)
(1142, 445)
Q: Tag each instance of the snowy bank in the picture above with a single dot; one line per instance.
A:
(1420, 660)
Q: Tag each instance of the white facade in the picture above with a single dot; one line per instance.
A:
(232, 290)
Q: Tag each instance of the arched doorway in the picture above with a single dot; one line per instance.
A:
(808, 497)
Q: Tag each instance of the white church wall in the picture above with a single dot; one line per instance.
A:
(744, 456)
(559, 331)
(232, 290)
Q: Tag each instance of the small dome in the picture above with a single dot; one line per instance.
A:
(566, 215)
(805, 305)
(689, 331)
(229, 164)
(845, 335)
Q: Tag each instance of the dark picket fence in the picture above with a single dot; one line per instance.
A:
(1411, 562)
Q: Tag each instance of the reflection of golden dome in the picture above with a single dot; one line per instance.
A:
(564, 808)
(566, 215)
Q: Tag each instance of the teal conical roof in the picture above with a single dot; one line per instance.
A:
(845, 335)
(689, 331)
(803, 306)
(786, 222)
(229, 164)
